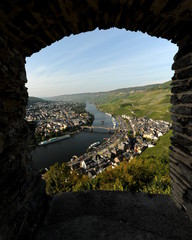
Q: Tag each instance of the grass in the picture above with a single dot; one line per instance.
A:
(161, 148)
(153, 104)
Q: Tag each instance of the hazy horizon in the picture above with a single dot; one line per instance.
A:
(99, 61)
(96, 91)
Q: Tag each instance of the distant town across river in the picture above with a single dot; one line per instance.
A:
(62, 151)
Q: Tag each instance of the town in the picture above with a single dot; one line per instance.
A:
(131, 138)
(54, 119)
(131, 135)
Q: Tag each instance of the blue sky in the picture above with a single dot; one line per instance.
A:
(100, 60)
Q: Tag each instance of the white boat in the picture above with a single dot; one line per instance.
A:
(114, 123)
(95, 144)
(52, 140)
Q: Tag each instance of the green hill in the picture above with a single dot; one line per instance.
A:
(151, 102)
(32, 100)
(104, 96)
(160, 150)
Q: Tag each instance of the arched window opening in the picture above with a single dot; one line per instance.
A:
(26, 28)
(126, 76)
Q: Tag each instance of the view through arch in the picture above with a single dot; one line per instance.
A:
(27, 27)
(101, 61)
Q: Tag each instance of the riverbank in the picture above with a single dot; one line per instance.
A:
(77, 144)
(35, 144)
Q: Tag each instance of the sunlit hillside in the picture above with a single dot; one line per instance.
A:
(152, 103)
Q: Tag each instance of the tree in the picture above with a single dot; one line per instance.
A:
(118, 186)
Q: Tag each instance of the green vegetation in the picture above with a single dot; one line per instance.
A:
(160, 149)
(79, 108)
(152, 103)
(32, 100)
(146, 173)
(149, 172)
(59, 178)
(105, 96)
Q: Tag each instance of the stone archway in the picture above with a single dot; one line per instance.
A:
(27, 27)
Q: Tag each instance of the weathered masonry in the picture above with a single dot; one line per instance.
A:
(28, 26)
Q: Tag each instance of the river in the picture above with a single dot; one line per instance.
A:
(62, 151)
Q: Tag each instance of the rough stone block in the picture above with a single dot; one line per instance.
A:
(182, 62)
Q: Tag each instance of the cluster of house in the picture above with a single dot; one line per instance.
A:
(55, 117)
(147, 127)
(93, 165)
(110, 158)
(145, 132)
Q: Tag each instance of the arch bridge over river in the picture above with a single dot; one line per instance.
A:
(110, 130)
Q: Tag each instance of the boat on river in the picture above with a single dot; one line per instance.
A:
(109, 114)
(93, 145)
(114, 123)
(55, 139)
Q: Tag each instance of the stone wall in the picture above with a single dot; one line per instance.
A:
(22, 193)
(33, 25)
(27, 27)
(181, 149)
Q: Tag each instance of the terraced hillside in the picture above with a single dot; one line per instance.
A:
(153, 103)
